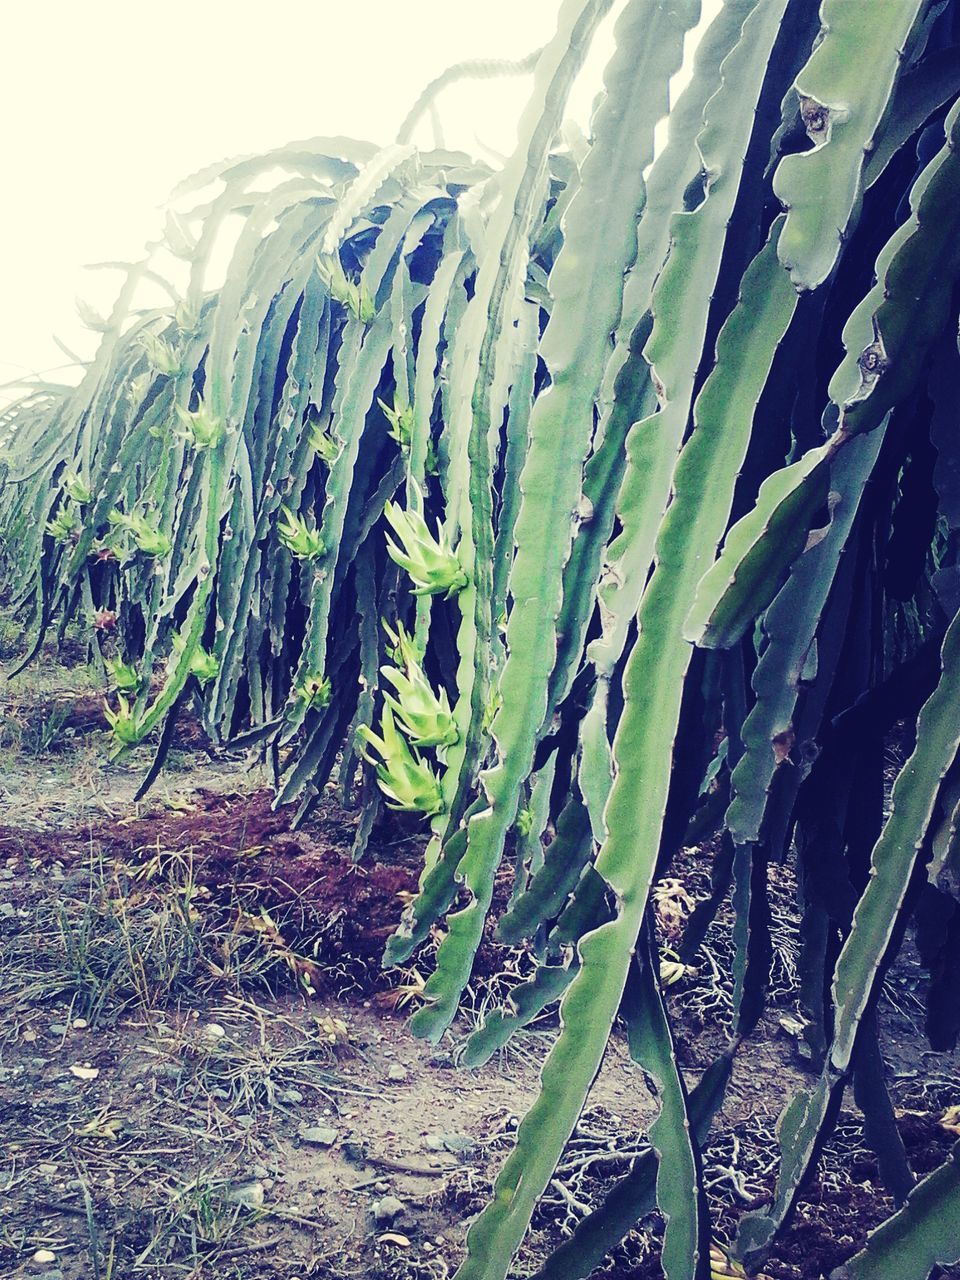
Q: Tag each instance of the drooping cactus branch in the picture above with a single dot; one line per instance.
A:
(576, 508)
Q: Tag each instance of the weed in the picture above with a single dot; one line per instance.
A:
(132, 937)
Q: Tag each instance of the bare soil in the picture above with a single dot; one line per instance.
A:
(204, 1071)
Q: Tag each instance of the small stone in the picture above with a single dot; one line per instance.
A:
(213, 1031)
(84, 1072)
(396, 1072)
(457, 1142)
(291, 1095)
(319, 1134)
(388, 1208)
(80, 1023)
(454, 1142)
(791, 1026)
(249, 1194)
(44, 1255)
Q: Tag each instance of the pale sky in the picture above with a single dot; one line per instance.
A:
(109, 103)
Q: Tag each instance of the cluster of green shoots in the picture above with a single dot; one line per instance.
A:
(355, 297)
(66, 524)
(131, 721)
(414, 717)
(299, 538)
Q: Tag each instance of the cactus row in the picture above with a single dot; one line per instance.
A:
(569, 507)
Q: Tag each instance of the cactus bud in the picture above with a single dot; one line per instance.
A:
(430, 561)
(122, 675)
(200, 427)
(202, 664)
(63, 526)
(400, 418)
(315, 691)
(124, 722)
(407, 781)
(299, 539)
(151, 541)
(353, 296)
(403, 648)
(75, 488)
(524, 823)
(322, 443)
(424, 717)
(187, 317)
(161, 355)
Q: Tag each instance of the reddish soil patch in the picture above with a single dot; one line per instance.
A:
(243, 850)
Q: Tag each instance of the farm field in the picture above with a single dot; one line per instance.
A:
(479, 653)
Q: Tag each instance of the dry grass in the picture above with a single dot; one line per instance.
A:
(137, 977)
(131, 938)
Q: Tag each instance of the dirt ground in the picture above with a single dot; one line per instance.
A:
(205, 1072)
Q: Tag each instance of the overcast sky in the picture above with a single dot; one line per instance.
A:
(107, 104)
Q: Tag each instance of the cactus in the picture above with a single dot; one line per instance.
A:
(578, 412)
